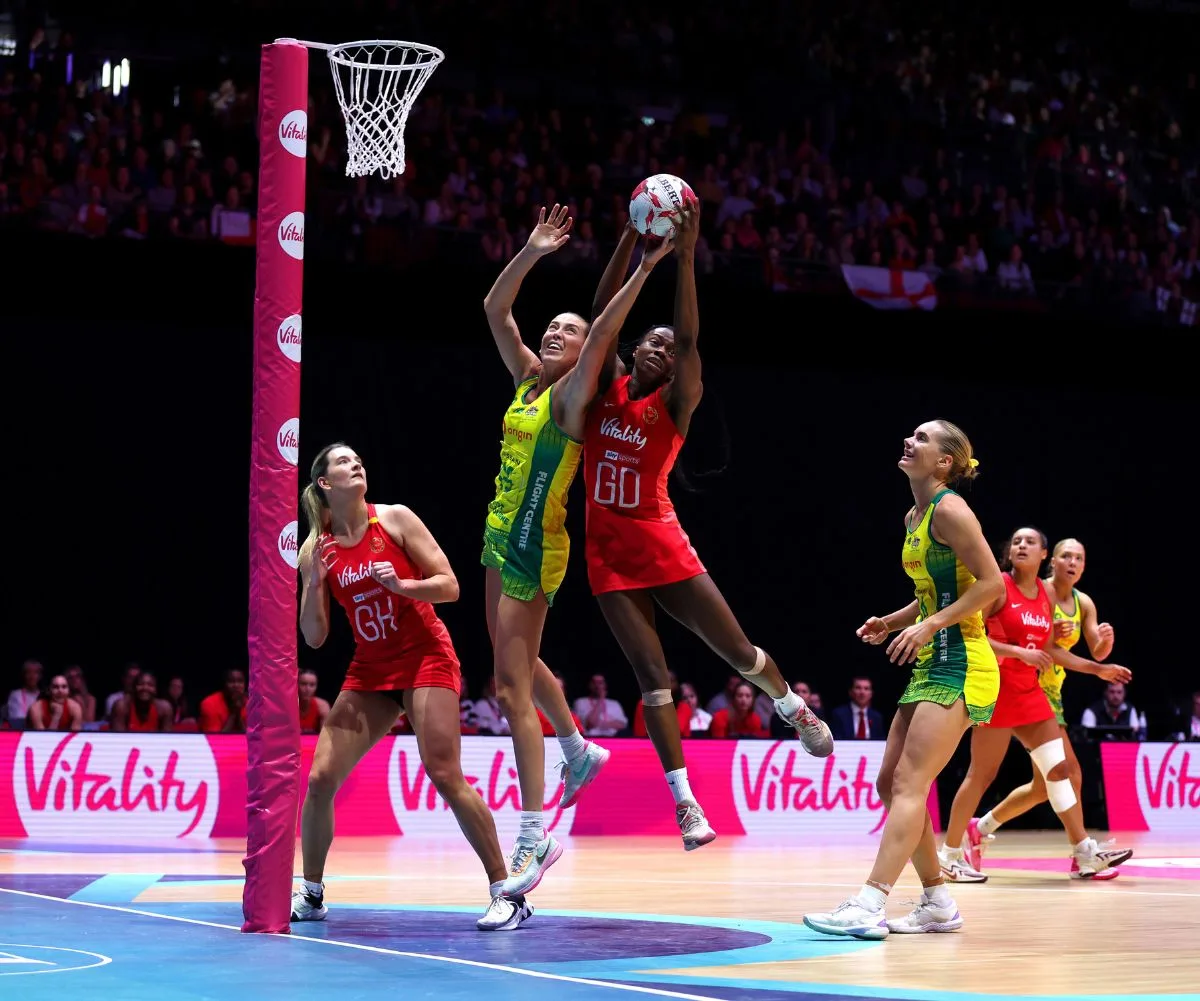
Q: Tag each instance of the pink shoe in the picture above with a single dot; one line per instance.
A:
(973, 845)
(1103, 874)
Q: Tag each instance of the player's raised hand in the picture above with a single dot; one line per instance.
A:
(654, 252)
(551, 232)
(687, 230)
(322, 558)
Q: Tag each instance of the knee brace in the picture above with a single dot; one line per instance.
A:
(658, 697)
(760, 661)
(1060, 792)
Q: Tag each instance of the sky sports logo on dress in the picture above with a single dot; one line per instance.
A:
(287, 438)
(293, 133)
(288, 337)
(291, 235)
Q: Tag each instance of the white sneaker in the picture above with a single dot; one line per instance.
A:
(928, 917)
(504, 914)
(1095, 858)
(815, 736)
(693, 825)
(852, 919)
(957, 869)
(528, 865)
(306, 907)
(578, 776)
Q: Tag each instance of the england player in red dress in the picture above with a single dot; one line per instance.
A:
(637, 552)
(382, 565)
(1020, 627)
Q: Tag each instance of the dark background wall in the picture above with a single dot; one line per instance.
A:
(128, 467)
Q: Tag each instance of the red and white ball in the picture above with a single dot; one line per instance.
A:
(656, 203)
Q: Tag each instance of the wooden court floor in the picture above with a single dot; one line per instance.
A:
(1030, 931)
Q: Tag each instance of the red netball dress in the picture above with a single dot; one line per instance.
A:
(398, 643)
(634, 538)
(1023, 622)
(136, 724)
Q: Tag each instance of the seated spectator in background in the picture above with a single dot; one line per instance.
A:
(779, 729)
(740, 719)
(79, 692)
(488, 716)
(682, 709)
(127, 682)
(313, 710)
(602, 716)
(1189, 728)
(177, 696)
(857, 720)
(21, 700)
(1113, 716)
(56, 710)
(225, 711)
(144, 711)
(700, 719)
(724, 699)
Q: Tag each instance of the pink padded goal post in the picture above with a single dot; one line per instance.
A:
(272, 717)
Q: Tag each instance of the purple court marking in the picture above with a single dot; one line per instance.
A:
(1063, 866)
(53, 885)
(576, 938)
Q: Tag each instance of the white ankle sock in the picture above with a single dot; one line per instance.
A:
(938, 895)
(680, 787)
(573, 747)
(872, 898)
(531, 829)
(313, 889)
(1086, 845)
(988, 824)
(790, 704)
(495, 888)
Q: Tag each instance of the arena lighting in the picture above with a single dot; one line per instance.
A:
(106, 75)
(116, 84)
(125, 73)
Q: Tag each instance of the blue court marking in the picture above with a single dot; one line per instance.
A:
(427, 950)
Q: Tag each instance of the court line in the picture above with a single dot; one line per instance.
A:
(500, 968)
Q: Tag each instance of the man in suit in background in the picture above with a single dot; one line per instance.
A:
(857, 720)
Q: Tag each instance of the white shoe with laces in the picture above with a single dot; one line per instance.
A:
(306, 907)
(1094, 858)
(505, 914)
(928, 917)
(693, 825)
(850, 918)
(815, 735)
(528, 865)
(578, 776)
(956, 868)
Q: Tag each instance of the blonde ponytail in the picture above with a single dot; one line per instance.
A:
(315, 513)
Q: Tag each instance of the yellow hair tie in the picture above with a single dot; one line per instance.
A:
(974, 463)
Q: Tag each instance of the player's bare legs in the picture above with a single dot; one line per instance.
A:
(698, 604)
(630, 616)
(583, 758)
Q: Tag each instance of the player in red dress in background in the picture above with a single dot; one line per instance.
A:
(313, 710)
(637, 552)
(144, 711)
(1020, 626)
(386, 570)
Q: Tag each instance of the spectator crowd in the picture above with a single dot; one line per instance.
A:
(997, 153)
(62, 702)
